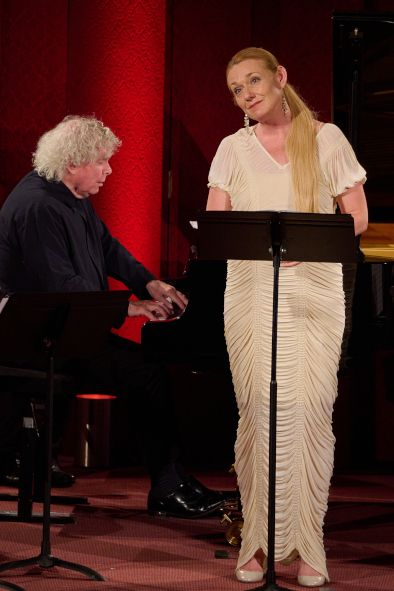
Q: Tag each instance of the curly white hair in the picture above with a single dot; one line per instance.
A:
(75, 140)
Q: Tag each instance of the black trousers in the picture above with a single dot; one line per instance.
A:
(121, 369)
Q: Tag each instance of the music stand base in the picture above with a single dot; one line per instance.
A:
(269, 587)
(66, 500)
(55, 499)
(49, 561)
(57, 518)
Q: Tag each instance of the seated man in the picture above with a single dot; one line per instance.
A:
(52, 240)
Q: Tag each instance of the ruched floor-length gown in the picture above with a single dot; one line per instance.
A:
(311, 318)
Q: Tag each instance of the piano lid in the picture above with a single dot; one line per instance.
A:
(363, 100)
(377, 243)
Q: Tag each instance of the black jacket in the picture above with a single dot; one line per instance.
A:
(51, 241)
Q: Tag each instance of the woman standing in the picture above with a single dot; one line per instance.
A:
(287, 161)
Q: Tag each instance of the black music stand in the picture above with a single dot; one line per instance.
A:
(266, 235)
(37, 327)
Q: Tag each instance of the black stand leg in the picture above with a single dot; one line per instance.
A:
(38, 489)
(45, 559)
(270, 584)
(28, 477)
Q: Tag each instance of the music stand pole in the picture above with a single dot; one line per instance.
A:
(270, 577)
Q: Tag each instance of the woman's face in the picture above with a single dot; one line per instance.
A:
(257, 90)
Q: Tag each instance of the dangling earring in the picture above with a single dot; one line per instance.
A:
(285, 106)
(246, 122)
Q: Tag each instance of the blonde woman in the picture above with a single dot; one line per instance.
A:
(287, 160)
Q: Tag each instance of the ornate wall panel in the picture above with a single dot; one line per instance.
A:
(116, 71)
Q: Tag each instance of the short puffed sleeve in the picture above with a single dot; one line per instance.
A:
(225, 168)
(340, 167)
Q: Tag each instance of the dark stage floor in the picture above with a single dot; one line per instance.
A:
(133, 551)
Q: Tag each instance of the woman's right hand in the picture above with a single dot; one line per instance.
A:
(289, 263)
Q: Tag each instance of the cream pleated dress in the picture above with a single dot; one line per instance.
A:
(311, 320)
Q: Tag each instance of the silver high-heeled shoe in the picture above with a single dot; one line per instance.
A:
(249, 576)
(311, 580)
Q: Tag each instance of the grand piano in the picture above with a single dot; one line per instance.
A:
(193, 348)
(193, 345)
(363, 107)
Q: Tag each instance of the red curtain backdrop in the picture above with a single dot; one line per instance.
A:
(116, 57)
(116, 71)
(105, 58)
(33, 69)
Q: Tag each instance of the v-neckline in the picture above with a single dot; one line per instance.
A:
(266, 151)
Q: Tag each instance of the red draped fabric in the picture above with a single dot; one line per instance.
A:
(116, 57)
(86, 57)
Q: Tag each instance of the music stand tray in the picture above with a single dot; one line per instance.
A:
(276, 236)
(68, 326)
(250, 235)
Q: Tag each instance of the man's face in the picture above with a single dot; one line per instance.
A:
(89, 178)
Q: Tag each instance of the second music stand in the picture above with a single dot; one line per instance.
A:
(276, 236)
(36, 328)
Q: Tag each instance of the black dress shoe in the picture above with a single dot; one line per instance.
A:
(184, 502)
(224, 495)
(10, 478)
(59, 478)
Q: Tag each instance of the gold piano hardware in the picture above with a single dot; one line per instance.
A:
(233, 527)
(377, 243)
(232, 517)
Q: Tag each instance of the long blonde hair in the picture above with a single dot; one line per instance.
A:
(301, 144)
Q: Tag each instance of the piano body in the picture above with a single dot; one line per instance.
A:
(196, 337)
(194, 351)
(363, 107)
